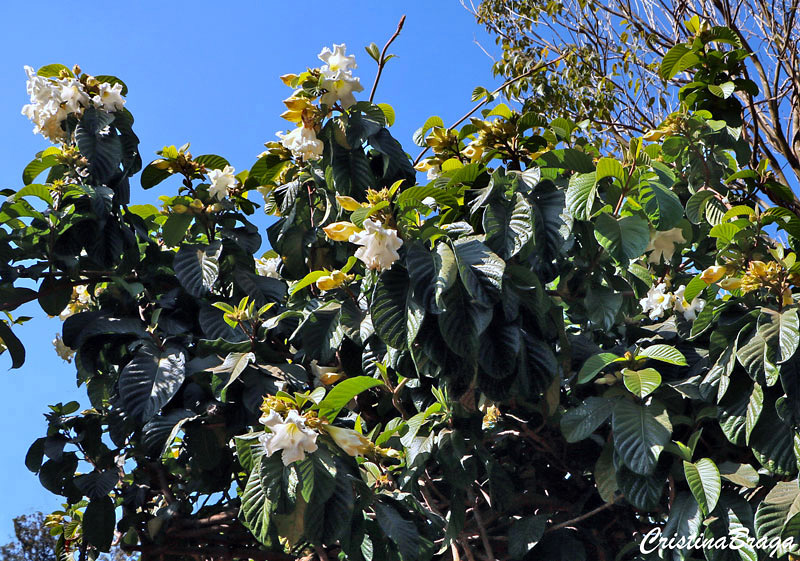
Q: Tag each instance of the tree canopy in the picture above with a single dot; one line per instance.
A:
(555, 347)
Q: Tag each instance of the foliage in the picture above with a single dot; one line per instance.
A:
(546, 351)
(611, 79)
(35, 542)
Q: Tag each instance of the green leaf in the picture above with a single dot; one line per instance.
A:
(99, 520)
(35, 190)
(417, 193)
(638, 436)
(480, 270)
(624, 238)
(724, 90)
(677, 59)
(685, 521)
(610, 167)
(342, 393)
(388, 307)
(778, 509)
(54, 71)
(150, 379)
(594, 364)
(641, 383)
(36, 167)
(388, 112)
(696, 206)
(160, 431)
(663, 353)
(152, 176)
(174, 229)
(662, 206)
(212, 161)
(13, 344)
(401, 531)
(524, 534)
(197, 267)
(694, 288)
(781, 332)
(307, 280)
(754, 407)
(97, 484)
(704, 481)
(508, 227)
(580, 422)
(581, 194)
(54, 295)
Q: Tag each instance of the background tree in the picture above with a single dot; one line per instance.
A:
(612, 75)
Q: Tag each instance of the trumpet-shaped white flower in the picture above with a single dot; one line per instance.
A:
(379, 245)
(657, 301)
(73, 96)
(337, 64)
(337, 76)
(290, 435)
(662, 245)
(221, 180)
(62, 350)
(688, 309)
(340, 90)
(352, 442)
(110, 97)
(268, 267)
(45, 109)
(303, 143)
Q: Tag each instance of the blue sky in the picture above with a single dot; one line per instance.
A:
(205, 72)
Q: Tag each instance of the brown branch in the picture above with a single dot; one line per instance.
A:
(382, 59)
(584, 516)
(505, 84)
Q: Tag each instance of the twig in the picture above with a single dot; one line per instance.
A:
(481, 528)
(583, 516)
(382, 59)
(486, 99)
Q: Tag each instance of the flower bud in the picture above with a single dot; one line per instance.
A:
(350, 441)
(348, 203)
(730, 283)
(340, 231)
(713, 274)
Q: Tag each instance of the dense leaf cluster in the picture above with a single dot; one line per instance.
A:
(569, 349)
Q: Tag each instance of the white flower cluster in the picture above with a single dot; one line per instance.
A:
(268, 267)
(221, 181)
(290, 436)
(53, 99)
(337, 76)
(658, 301)
(303, 143)
(379, 245)
(663, 244)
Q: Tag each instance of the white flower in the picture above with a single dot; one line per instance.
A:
(110, 97)
(81, 298)
(303, 143)
(62, 350)
(221, 180)
(73, 96)
(689, 310)
(268, 267)
(379, 245)
(325, 375)
(337, 64)
(657, 301)
(350, 441)
(45, 109)
(337, 76)
(662, 244)
(291, 436)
